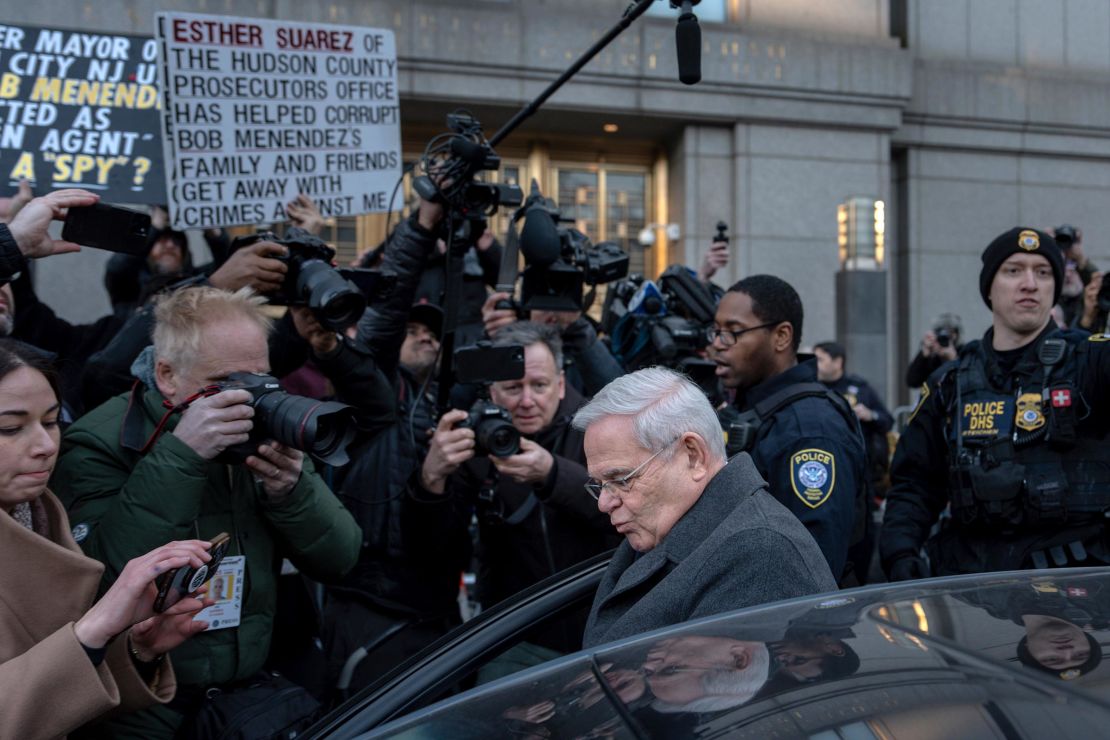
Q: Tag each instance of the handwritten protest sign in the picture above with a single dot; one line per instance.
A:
(80, 110)
(257, 111)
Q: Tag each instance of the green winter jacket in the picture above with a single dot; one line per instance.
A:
(130, 504)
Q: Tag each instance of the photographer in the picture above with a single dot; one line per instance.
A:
(590, 366)
(480, 268)
(129, 279)
(534, 518)
(1095, 306)
(409, 595)
(107, 371)
(938, 346)
(134, 475)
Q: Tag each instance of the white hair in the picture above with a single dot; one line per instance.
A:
(180, 317)
(664, 406)
(726, 688)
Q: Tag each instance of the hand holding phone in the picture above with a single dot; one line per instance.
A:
(29, 226)
(178, 583)
(102, 226)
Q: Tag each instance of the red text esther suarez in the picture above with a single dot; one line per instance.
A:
(216, 33)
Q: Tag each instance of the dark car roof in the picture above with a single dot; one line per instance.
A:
(995, 655)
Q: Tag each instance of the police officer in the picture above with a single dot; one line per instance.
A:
(805, 439)
(874, 418)
(1011, 434)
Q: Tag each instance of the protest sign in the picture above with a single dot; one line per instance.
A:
(257, 111)
(80, 110)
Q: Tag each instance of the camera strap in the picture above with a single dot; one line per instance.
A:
(131, 431)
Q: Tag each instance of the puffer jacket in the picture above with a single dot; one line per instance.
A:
(126, 504)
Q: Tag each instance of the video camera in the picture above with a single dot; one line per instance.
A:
(323, 429)
(662, 323)
(560, 260)
(450, 162)
(311, 280)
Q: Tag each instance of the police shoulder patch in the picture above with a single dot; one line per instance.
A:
(813, 476)
(920, 401)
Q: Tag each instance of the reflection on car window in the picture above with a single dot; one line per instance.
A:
(568, 702)
(1055, 626)
(940, 664)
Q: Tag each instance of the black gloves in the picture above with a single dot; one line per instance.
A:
(907, 568)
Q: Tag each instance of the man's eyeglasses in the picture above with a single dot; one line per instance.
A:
(729, 337)
(622, 484)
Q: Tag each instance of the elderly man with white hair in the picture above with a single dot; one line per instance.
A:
(702, 534)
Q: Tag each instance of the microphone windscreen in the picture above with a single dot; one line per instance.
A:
(468, 151)
(687, 40)
(539, 239)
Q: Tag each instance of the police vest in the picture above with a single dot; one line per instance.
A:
(1019, 460)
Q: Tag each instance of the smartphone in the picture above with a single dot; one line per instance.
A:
(374, 284)
(176, 584)
(482, 363)
(102, 226)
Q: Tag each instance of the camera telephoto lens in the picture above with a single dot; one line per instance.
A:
(342, 310)
(323, 429)
(334, 300)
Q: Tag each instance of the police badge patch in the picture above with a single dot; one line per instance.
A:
(1029, 414)
(1029, 241)
(80, 532)
(813, 475)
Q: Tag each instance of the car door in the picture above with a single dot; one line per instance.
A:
(453, 663)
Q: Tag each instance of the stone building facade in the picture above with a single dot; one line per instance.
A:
(964, 117)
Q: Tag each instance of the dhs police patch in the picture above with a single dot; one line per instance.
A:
(813, 475)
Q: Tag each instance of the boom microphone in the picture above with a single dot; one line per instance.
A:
(687, 41)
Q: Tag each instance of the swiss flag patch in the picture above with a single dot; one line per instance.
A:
(1061, 397)
(1077, 592)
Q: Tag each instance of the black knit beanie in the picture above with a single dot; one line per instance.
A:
(1015, 241)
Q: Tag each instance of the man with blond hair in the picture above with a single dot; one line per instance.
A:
(142, 468)
(702, 534)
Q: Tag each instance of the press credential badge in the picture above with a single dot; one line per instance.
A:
(226, 588)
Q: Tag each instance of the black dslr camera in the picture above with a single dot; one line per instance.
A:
(494, 433)
(311, 280)
(323, 429)
(482, 363)
(1066, 236)
(944, 336)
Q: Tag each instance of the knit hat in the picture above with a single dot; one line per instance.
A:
(1020, 240)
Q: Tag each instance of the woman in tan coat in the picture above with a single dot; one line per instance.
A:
(65, 661)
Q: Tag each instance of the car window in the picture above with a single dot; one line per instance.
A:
(943, 662)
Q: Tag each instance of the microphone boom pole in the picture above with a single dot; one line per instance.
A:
(457, 246)
(633, 12)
